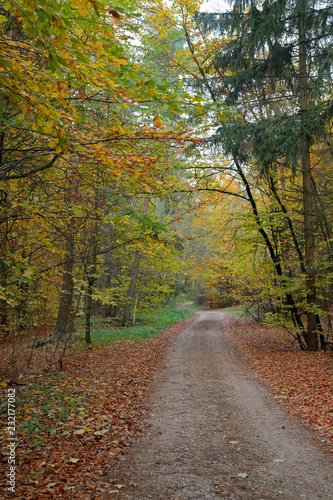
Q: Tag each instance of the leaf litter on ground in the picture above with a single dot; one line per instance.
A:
(302, 380)
(73, 425)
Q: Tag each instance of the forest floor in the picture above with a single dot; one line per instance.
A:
(205, 428)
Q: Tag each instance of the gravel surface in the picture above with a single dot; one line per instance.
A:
(215, 432)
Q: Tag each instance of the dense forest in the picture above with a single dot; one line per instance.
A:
(151, 149)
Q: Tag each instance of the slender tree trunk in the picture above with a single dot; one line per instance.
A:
(135, 306)
(275, 259)
(287, 223)
(89, 309)
(89, 292)
(132, 287)
(3, 265)
(66, 297)
(134, 277)
(308, 219)
(312, 337)
(3, 303)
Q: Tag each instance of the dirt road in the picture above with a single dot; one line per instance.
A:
(216, 432)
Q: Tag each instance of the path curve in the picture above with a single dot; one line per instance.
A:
(216, 432)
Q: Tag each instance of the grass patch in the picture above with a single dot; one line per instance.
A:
(234, 309)
(147, 325)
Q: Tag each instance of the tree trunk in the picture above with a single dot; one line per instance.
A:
(66, 297)
(89, 309)
(132, 287)
(308, 220)
(3, 265)
(3, 304)
(134, 277)
(89, 293)
(275, 259)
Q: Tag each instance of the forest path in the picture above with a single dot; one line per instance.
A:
(216, 432)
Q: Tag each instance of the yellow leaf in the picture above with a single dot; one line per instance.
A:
(4, 384)
(82, 6)
(48, 127)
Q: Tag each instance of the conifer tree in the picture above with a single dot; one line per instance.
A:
(275, 66)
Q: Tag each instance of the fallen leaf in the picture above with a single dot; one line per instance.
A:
(79, 432)
(304, 382)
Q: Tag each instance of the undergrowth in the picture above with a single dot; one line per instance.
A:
(146, 326)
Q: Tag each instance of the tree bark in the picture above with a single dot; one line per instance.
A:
(89, 293)
(308, 219)
(66, 297)
(134, 277)
(296, 318)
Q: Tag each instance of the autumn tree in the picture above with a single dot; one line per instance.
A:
(274, 61)
(261, 76)
(81, 127)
